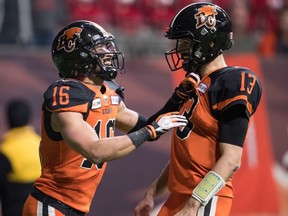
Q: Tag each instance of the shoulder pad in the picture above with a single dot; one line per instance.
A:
(116, 88)
(68, 95)
(235, 85)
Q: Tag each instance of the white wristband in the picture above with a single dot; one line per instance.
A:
(208, 187)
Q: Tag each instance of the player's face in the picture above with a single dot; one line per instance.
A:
(184, 48)
(107, 56)
(104, 52)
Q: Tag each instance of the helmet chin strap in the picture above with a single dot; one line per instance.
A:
(189, 66)
(111, 73)
(108, 74)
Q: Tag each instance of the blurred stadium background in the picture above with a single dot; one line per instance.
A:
(27, 28)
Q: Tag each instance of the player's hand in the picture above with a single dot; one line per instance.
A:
(145, 206)
(186, 87)
(190, 209)
(166, 122)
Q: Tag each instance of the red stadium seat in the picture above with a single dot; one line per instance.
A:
(92, 10)
(159, 12)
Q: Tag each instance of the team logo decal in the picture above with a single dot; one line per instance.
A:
(206, 16)
(68, 39)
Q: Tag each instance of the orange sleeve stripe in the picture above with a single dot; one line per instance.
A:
(78, 108)
(152, 129)
(222, 104)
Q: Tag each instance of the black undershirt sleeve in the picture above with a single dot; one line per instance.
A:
(171, 105)
(233, 125)
(142, 122)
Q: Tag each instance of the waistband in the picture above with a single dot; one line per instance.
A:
(60, 206)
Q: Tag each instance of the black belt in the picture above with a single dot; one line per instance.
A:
(62, 207)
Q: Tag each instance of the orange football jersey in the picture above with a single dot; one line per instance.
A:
(67, 175)
(195, 148)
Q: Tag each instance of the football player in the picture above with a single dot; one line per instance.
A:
(207, 152)
(79, 115)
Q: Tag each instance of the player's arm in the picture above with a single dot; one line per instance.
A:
(80, 136)
(128, 120)
(182, 92)
(157, 187)
(233, 126)
(216, 179)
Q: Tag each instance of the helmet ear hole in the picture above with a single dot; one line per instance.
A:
(228, 43)
(90, 67)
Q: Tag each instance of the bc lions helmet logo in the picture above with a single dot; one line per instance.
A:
(68, 39)
(206, 16)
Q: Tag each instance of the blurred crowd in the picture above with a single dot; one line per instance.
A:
(139, 25)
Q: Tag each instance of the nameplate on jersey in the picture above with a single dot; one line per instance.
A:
(115, 99)
(202, 87)
(96, 103)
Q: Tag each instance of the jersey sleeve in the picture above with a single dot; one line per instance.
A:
(236, 87)
(69, 96)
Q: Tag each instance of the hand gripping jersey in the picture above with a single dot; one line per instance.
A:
(195, 148)
(66, 175)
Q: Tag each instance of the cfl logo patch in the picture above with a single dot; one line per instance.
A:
(206, 16)
(202, 87)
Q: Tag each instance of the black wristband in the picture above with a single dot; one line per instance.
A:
(139, 137)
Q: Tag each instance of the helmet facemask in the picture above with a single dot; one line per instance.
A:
(186, 57)
(107, 56)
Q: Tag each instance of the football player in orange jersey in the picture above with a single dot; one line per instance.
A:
(219, 101)
(79, 115)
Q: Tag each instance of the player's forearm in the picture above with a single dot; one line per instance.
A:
(229, 162)
(160, 185)
(108, 149)
(216, 179)
(112, 148)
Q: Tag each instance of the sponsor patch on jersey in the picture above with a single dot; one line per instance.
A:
(96, 103)
(115, 99)
(202, 87)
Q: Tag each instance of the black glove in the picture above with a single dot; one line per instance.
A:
(186, 87)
